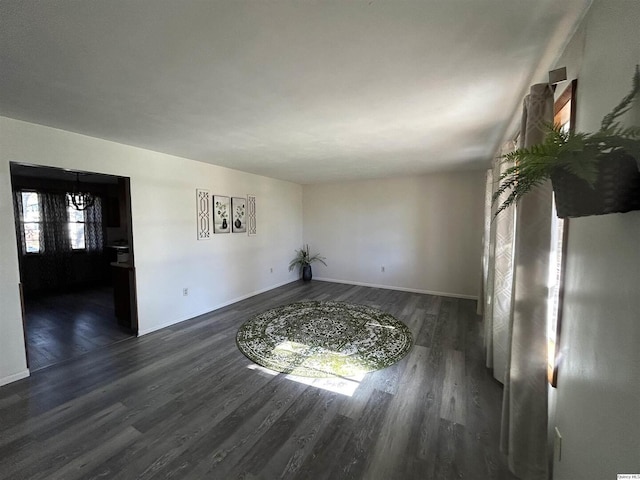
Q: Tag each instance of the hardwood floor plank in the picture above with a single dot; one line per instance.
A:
(351, 463)
(9, 402)
(56, 451)
(453, 406)
(433, 304)
(422, 448)
(360, 397)
(428, 323)
(170, 437)
(77, 467)
(320, 460)
(217, 451)
(287, 460)
(450, 454)
(268, 445)
(448, 322)
(387, 457)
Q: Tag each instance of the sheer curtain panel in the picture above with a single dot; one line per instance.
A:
(499, 238)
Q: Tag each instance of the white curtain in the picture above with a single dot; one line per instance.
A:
(498, 268)
(524, 412)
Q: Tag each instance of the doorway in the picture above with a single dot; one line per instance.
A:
(76, 260)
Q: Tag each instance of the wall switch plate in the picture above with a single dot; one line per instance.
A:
(382, 269)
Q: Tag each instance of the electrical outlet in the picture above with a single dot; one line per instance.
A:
(382, 269)
(271, 270)
(557, 445)
(185, 292)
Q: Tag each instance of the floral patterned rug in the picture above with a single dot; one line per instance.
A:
(324, 339)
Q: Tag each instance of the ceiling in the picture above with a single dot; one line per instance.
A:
(305, 91)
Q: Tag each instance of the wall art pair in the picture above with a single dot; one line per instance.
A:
(230, 214)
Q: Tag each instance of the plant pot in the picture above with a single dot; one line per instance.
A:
(617, 189)
(306, 273)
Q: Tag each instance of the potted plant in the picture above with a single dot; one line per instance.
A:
(591, 173)
(304, 259)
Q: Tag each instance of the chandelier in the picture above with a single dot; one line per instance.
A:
(79, 199)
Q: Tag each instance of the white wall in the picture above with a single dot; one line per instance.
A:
(425, 230)
(598, 396)
(168, 257)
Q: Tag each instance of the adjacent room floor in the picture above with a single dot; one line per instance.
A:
(67, 325)
(183, 402)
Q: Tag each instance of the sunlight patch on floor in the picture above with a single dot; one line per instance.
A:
(292, 347)
(343, 386)
(390, 327)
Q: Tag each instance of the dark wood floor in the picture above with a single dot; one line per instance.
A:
(67, 325)
(184, 403)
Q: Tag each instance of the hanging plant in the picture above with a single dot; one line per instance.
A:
(583, 158)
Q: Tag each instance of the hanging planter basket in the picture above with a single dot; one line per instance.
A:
(616, 190)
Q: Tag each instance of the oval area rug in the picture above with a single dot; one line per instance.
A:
(324, 339)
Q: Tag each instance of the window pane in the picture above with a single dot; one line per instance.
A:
(30, 206)
(73, 214)
(32, 237)
(76, 235)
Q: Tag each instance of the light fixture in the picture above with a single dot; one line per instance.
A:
(79, 199)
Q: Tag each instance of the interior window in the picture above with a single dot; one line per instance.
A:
(76, 219)
(31, 221)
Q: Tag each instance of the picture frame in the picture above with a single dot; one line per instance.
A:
(203, 214)
(221, 214)
(239, 214)
(252, 228)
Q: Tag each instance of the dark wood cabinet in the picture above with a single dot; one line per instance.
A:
(123, 277)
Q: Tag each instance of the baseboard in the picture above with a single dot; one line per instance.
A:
(155, 328)
(15, 377)
(401, 289)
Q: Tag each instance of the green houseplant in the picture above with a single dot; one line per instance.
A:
(591, 173)
(303, 260)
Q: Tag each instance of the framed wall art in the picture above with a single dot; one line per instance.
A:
(221, 214)
(251, 215)
(239, 211)
(203, 214)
